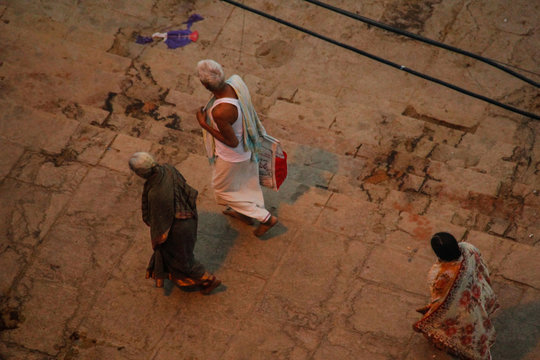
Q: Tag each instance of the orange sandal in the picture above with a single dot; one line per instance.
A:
(210, 285)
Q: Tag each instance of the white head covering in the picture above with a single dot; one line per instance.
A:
(211, 73)
(142, 163)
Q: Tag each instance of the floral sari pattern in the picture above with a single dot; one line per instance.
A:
(462, 302)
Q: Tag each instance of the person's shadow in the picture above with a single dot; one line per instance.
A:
(215, 238)
(518, 331)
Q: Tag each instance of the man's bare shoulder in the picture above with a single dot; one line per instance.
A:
(225, 112)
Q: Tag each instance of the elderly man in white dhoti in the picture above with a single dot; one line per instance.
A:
(232, 131)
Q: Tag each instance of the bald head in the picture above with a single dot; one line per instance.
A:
(142, 164)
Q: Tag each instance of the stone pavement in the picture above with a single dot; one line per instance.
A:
(378, 161)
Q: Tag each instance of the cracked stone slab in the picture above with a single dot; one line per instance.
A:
(245, 253)
(406, 201)
(197, 171)
(88, 348)
(197, 341)
(494, 160)
(509, 294)
(374, 309)
(460, 178)
(409, 245)
(515, 267)
(270, 339)
(12, 152)
(77, 256)
(28, 212)
(493, 248)
(101, 197)
(336, 215)
(51, 134)
(13, 261)
(14, 352)
(121, 309)
(46, 308)
(56, 173)
(348, 342)
(227, 307)
(90, 143)
(287, 112)
(420, 348)
(56, 23)
(397, 268)
(290, 297)
(298, 265)
(308, 201)
(329, 350)
(120, 151)
(347, 186)
(423, 227)
(166, 136)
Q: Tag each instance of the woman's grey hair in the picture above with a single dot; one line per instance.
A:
(211, 74)
(142, 164)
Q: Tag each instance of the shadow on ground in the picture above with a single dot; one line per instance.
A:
(518, 331)
(215, 239)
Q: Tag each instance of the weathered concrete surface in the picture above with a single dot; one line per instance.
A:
(378, 161)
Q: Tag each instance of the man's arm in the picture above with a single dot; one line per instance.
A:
(224, 116)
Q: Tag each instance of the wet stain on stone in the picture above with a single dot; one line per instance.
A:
(73, 111)
(65, 156)
(174, 122)
(168, 140)
(274, 53)
(502, 208)
(377, 177)
(409, 15)
(122, 39)
(149, 107)
(410, 111)
(10, 319)
(109, 102)
(135, 109)
(423, 230)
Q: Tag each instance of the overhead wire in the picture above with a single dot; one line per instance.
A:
(384, 61)
(494, 63)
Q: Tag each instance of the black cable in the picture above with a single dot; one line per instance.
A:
(384, 61)
(423, 39)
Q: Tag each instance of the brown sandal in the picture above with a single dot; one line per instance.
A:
(235, 214)
(264, 227)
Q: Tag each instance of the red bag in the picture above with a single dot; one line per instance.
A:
(280, 172)
(272, 163)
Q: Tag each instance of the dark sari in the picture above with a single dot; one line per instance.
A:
(169, 208)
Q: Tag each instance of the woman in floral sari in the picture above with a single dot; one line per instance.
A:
(457, 319)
